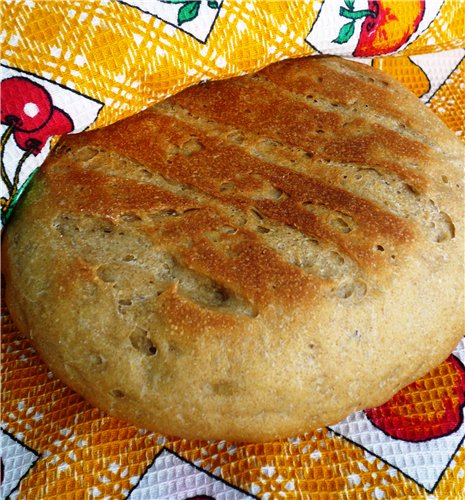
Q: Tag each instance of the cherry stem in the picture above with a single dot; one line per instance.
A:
(358, 14)
(25, 156)
(6, 202)
(5, 137)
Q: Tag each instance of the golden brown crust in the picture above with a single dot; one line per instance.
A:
(250, 258)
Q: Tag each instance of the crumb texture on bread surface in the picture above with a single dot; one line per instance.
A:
(251, 258)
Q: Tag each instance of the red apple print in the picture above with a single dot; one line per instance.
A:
(391, 27)
(26, 106)
(387, 25)
(429, 408)
(60, 123)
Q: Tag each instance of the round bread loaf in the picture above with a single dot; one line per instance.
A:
(251, 258)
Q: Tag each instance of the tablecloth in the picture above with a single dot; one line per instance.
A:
(68, 66)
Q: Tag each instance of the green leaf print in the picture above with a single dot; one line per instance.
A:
(190, 8)
(350, 4)
(345, 33)
(173, 1)
(188, 12)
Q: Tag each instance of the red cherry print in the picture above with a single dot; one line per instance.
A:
(429, 408)
(60, 123)
(25, 105)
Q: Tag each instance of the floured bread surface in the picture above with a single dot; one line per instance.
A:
(251, 258)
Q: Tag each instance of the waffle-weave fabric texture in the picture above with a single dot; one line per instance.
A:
(69, 66)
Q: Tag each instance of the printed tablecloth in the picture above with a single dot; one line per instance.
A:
(68, 66)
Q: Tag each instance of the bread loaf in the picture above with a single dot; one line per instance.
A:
(249, 259)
